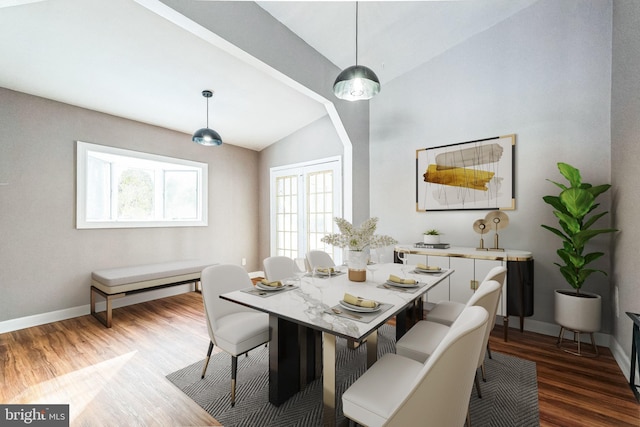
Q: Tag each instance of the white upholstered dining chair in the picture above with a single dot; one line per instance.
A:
(424, 337)
(232, 327)
(319, 259)
(397, 391)
(278, 267)
(446, 312)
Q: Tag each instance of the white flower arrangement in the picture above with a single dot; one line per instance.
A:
(357, 239)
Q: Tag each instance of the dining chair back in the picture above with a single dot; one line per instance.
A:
(232, 327)
(278, 268)
(498, 273)
(446, 312)
(487, 296)
(301, 264)
(425, 337)
(319, 259)
(489, 299)
(397, 391)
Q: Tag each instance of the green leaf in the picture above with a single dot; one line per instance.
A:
(576, 261)
(562, 186)
(599, 189)
(572, 174)
(555, 202)
(588, 258)
(581, 238)
(593, 219)
(586, 272)
(565, 256)
(571, 277)
(577, 201)
(571, 225)
(555, 231)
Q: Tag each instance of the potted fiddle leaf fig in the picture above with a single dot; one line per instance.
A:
(574, 208)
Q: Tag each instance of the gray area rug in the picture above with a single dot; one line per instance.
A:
(509, 396)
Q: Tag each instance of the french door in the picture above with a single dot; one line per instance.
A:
(304, 200)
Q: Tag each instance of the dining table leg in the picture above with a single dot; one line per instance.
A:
(284, 360)
(372, 348)
(329, 379)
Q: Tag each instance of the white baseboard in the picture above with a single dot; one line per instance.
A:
(623, 359)
(83, 310)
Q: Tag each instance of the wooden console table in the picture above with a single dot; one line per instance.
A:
(471, 266)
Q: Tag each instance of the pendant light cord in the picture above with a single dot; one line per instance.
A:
(356, 34)
(207, 113)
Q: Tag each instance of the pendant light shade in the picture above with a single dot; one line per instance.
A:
(206, 136)
(356, 82)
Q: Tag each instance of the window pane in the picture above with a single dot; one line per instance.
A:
(181, 194)
(135, 195)
(312, 204)
(98, 204)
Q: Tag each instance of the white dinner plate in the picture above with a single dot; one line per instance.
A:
(327, 274)
(269, 288)
(402, 285)
(358, 308)
(421, 271)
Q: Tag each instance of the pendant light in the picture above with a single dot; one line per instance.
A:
(206, 136)
(356, 82)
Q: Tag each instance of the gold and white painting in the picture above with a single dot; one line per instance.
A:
(468, 175)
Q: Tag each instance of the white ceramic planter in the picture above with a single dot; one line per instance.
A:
(431, 238)
(578, 313)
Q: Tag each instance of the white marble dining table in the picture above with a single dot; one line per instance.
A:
(304, 327)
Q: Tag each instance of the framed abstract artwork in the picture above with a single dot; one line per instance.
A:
(467, 175)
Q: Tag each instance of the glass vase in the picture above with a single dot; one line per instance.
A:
(357, 263)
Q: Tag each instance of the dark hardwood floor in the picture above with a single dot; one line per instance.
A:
(117, 376)
(572, 390)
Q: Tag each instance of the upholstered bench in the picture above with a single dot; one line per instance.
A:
(118, 282)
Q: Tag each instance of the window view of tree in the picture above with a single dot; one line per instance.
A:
(135, 195)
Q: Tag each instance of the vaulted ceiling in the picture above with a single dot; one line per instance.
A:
(122, 58)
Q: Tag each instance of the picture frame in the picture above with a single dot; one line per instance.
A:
(471, 175)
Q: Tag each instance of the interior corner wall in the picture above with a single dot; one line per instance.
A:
(544, 74)
(625, 152)
(45, 262)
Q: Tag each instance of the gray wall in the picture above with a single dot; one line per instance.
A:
(543, 74)
(625, 153)
(45, 263)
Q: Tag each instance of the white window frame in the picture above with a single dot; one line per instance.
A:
(83, 150)
(300, 169)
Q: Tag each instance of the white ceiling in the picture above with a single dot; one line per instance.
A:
(394, 37)
(122, 58)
